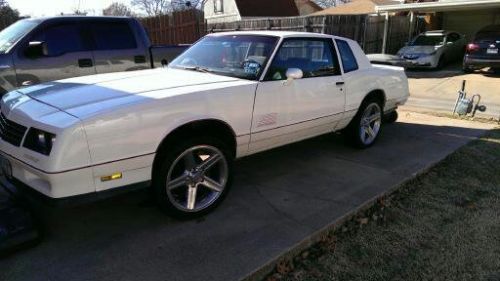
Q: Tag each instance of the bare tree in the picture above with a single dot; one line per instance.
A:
(7, 14)
(185, 4)
(330, 3)
(153, 7)
(117, 9)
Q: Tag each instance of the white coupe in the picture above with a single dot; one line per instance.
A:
(177, 130)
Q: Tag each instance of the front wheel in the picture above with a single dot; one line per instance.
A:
(441, 63)
(194, 177)
(367, 124)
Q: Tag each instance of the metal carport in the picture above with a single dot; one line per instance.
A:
(473, 14)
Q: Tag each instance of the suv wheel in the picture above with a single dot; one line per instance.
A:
(194, 177)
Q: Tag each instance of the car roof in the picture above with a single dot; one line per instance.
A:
(438, 32)
(76, 17)
(283, 34)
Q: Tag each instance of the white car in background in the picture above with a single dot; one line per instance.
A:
(178, 129)
(433, 49)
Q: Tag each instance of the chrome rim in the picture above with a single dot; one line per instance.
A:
(197, 178)
(370, 124)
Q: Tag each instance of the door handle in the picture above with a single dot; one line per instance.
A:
(340, 83)
(83, 63)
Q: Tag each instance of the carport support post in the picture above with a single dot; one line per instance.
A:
(412, 23)
(386, 31)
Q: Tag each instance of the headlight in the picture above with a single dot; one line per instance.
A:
(39, 141)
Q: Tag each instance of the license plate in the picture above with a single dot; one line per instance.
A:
(492, 51)
(5, 167)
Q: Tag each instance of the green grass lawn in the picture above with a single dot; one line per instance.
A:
(443, 225)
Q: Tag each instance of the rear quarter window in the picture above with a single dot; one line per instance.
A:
(347, 56)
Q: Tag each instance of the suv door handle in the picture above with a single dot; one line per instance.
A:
(340, 83)
(83, 63)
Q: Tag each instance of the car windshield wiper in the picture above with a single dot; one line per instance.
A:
(197, 68)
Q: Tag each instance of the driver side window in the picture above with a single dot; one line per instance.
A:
(313, 56)
(61, 39)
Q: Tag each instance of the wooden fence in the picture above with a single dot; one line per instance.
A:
(183, 27)
(367, 30)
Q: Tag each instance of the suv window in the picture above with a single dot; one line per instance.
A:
(61, 39)
(313, 56)
(113, 36)
(348, 59)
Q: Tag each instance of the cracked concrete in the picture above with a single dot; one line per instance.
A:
(279, 199)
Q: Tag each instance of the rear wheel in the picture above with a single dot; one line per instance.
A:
(367, 124)
(466, 68)
(194, 177)
(391, 117)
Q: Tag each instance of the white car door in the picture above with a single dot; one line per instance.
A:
(286, 111)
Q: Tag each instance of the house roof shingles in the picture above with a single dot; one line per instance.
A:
(267, 8)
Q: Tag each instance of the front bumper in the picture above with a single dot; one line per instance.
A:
(421, 62)
(52, 185)
(25, 193)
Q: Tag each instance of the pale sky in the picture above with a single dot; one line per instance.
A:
(40, 8)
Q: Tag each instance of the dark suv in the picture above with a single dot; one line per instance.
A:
(483, 50)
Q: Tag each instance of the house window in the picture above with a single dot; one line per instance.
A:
(218, 6)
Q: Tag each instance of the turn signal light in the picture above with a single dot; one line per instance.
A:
(115, 176)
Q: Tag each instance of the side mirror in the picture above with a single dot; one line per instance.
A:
(36, 49)
(294, 73)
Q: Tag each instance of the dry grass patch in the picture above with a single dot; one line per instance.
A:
(443, 225)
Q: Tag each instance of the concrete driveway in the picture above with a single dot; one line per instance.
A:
(432, 90)
(279, 199)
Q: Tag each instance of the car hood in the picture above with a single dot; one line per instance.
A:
(84, 96)
(417, 50)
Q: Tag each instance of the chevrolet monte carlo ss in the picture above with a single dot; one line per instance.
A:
(178, 130)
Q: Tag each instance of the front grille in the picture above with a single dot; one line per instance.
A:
(10, 131)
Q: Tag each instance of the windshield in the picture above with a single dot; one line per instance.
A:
(242, 56)
(428, 40)
(13, 33)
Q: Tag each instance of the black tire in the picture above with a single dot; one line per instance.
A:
(441, 63)
(354, 128)
(168, 157)
(466, 68)
(391, 117)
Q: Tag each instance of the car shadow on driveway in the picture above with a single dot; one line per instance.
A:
(279, 198)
